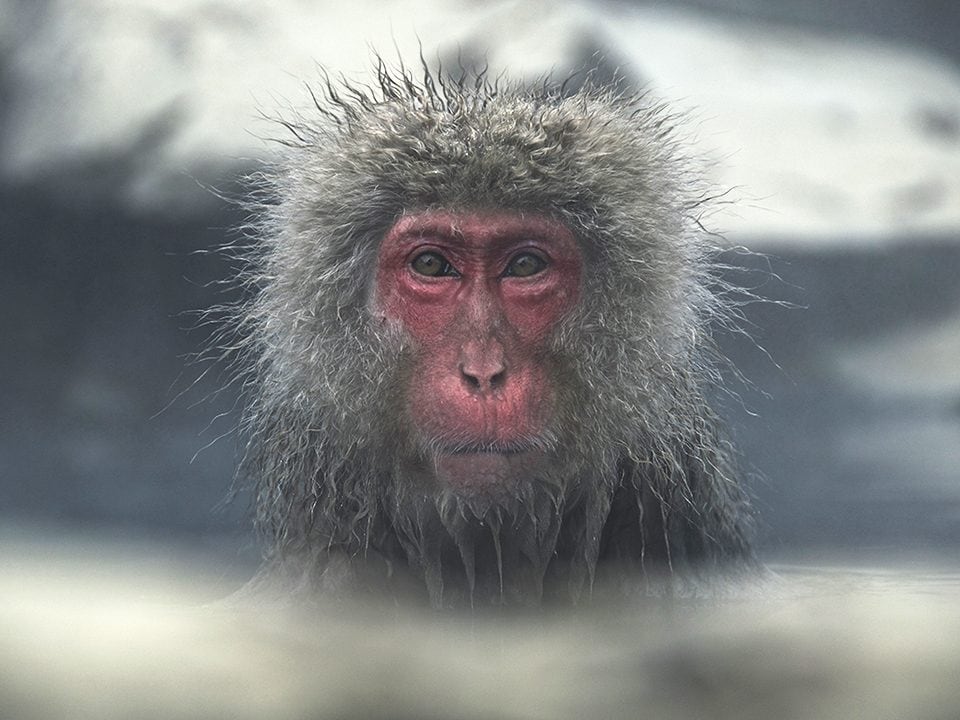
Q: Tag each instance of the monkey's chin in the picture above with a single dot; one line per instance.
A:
(485, 473)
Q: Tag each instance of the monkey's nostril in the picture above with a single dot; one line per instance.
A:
(498, 379)
(472, 380)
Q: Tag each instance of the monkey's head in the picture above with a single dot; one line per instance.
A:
(480, 314)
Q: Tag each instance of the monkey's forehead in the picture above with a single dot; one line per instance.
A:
(483, 228)
(492, 147)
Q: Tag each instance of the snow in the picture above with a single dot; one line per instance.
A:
(823, 139)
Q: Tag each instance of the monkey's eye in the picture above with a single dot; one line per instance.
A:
(525, 264)
(432, 264)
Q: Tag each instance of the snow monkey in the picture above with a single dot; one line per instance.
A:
(480, 348)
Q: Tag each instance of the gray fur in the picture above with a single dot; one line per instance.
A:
(641, 491)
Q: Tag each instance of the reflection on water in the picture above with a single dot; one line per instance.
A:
(95, 634)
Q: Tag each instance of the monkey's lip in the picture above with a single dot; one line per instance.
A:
(481, 465)
(518, 446)
(492, 449)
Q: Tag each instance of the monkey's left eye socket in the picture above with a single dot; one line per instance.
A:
(432, 264)
(525, 264)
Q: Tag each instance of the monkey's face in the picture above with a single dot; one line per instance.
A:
(479, 295)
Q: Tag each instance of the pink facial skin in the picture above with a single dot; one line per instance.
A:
(479, 295)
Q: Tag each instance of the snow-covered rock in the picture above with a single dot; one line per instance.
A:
(823, 139)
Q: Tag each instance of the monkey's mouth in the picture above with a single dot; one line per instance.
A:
(519, 446)
(481, 466)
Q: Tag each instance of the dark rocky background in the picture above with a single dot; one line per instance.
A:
(851, 422)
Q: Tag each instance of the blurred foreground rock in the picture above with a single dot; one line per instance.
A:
(115, 116)
(80, 638)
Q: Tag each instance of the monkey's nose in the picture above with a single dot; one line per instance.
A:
(483, 381)
(482, 366)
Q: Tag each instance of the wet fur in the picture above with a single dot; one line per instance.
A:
(641, 493)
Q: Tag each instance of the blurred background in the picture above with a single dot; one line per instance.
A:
(836, 125)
